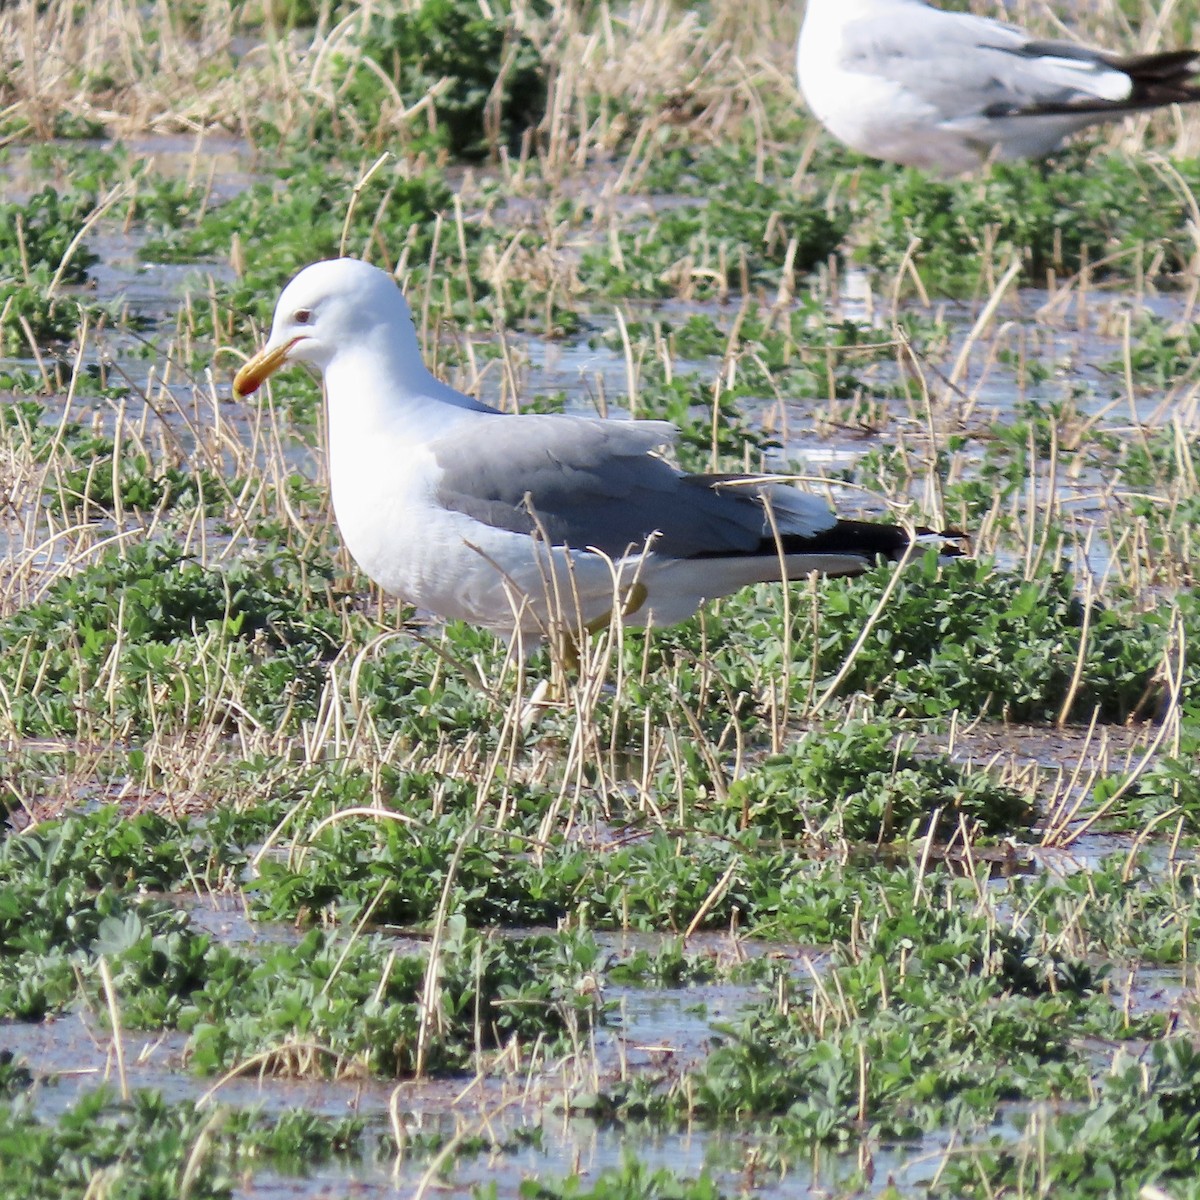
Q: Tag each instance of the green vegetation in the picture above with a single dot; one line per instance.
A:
(1117, 217)
(35, 238)
(128, 643)
(795, 882)
(485, 70)
(879, 791)
(631, 1181)
(147, 1147)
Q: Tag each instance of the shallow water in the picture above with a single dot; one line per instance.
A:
(654, 1028)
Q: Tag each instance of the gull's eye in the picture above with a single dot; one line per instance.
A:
(303, 316)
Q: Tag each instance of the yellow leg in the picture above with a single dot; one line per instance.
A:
(633, 601)
(566, 653)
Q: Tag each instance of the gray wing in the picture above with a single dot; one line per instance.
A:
(963, 65)
(588, 483)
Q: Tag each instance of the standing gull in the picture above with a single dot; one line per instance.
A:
(527, 525)
(946, 91)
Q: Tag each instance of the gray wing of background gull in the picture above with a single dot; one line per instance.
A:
(967, 66)
(588, 483)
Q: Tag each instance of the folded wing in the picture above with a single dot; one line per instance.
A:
(596, 484)
(965, 66)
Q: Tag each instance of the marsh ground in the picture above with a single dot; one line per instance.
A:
(871, 887)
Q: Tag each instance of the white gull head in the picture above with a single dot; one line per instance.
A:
(333, 308)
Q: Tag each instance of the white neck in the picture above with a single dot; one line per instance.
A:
(385, 391)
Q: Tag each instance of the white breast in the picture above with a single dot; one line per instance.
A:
(869, 113)
(384, 498)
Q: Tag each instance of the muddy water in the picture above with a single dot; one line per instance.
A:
(537, 1125)
(535, 1131)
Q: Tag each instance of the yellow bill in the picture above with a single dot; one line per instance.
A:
(261, 367)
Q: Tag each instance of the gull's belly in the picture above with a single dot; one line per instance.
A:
(885, 111)
(867, 111)
(1028, 136)
(879, 117)
(459, 569)
(455, 566)
(407, 544)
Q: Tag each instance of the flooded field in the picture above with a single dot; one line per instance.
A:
(874, 886)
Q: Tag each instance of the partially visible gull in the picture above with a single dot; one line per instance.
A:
(528, 525)
(946, 91)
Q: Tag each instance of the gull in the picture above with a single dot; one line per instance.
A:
(532, 526)
(902, 81)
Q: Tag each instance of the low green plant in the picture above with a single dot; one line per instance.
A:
(490, 71)
(861, 783)
(1111, 213)
(146, 1147)
(158, 607)
(968, 636)
(1141, 1132)
(632, 1180)
(742, 232)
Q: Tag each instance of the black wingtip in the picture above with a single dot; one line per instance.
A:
(1166, 77)
(950, 543)
(1167, 66)
(875, 540)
